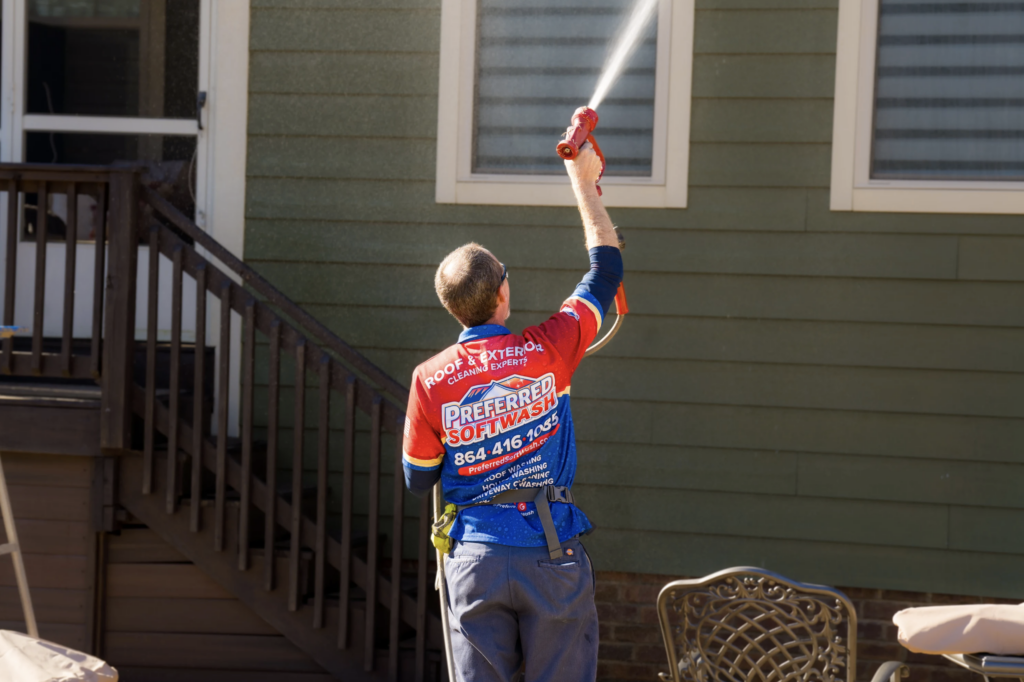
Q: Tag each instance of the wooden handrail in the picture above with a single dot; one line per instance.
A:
(313, 327)
(304, 531)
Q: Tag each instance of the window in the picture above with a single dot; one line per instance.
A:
(94, 67)
(929, 99)
(511, 75)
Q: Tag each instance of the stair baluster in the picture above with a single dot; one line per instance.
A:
(70, 260)
(224, 360)
(322, 446)
(373, 531)
(42, 199)
(248, 379)
(347, 489)
(174, 383)
(151, 338)
(299, 429)
(198, 402)
(99, 273)
(397, 515)
(270, 501)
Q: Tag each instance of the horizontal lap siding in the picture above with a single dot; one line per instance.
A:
(837, 396)
(50, 500)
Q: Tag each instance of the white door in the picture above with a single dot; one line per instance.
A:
(96, 81)
(101, 82)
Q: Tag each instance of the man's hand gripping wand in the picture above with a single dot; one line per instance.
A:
(584, 120)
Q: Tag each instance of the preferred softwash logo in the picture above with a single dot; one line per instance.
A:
(489, 410)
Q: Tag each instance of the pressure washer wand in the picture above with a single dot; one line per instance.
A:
(584, 120)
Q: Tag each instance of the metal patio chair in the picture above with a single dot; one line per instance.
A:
(989, 666)
(751, 625)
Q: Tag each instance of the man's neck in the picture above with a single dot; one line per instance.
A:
(495, 320)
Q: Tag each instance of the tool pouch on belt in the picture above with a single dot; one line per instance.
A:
(439, 531)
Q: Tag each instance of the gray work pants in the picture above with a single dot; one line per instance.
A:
(507, 604)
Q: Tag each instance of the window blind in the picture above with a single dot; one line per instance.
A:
(536, 63)
(949, 93)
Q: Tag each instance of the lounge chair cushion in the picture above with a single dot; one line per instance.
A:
(27, 659)
(963, 629)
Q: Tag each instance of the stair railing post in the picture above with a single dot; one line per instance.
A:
(119, 325)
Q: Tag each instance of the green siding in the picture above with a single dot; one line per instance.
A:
(792, 254)
(714, 339)
(756, 31)
(837, 396)
(346, 29)
(766, 120)
(362, 73)
(770, 76)
(377, 116)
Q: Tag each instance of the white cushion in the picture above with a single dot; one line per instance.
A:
(26, 659)
(963, 629)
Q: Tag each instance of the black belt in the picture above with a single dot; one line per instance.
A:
(541, 497)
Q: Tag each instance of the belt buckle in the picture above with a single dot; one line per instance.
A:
(556, 494)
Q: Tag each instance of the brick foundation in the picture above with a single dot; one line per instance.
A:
(632, 650)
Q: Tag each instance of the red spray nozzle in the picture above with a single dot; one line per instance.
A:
(584, 120)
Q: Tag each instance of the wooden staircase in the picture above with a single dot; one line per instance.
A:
(339, 581)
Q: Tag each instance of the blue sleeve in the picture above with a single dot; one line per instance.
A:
(601, 283)
(420, 481)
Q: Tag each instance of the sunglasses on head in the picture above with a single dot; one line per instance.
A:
(504, 276)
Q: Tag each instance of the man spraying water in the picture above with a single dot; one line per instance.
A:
(490, 419)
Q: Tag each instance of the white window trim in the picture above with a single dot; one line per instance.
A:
(62, 123)
(667, 188)
(852, 187)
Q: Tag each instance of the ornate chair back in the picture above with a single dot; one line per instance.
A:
(750, 625)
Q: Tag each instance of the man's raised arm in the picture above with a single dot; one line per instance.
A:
(584, 172)
(605, 273)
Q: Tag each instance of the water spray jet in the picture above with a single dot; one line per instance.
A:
(584, 119)
(625, 45)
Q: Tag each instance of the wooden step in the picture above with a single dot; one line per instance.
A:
(221, 566)
(37, 404)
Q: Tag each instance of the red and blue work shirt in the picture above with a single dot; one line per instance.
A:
(492, 413)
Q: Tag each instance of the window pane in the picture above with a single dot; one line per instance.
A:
(536, 64)
(169, 168)
(949, 91)
(113, 57)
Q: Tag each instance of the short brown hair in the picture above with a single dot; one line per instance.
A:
(467, 282)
